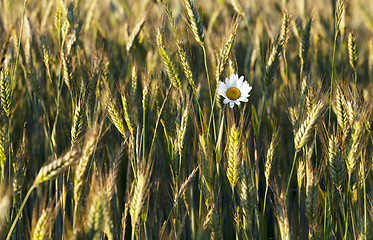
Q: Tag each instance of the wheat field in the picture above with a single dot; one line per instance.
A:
(117, 119)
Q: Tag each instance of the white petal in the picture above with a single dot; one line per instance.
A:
(231, 104)
(243, 99)
(222, 89)
(240, 81)
(237, 102)
(226, 101)
(228, 83)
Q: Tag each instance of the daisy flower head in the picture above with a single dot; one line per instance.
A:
(234, 90)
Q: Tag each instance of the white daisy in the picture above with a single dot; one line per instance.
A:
(234, 90)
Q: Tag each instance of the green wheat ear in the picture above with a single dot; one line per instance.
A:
(5, 92)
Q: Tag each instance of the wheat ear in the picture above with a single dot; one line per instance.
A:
(167, 61)
(233, 169)
(305, 130)
(195, 22)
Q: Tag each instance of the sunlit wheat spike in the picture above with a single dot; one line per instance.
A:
(90, 145)
(335, 161)
(233, 169)
(5, 92)
(350, 110)
(247, 193)
(132, 39)
(95, 219)
(311, 209)
(140, 189)
(339, 13)
(195, 22)
(107, 227)
(5, 49)
(293, 117)
(60, 14)
(181, 130)
(127, 113)
(44, 50)
(282, 216)
(185, 184)
(269, 157)
(355, 146)
(205, 166)
(301, 173)
(273, 60)
(167, 61)
(306, 129)
(67, 71)
(212, 223)
(184, 58)
(41, 228)
(78, 122)
(112, 178)
(51, 170)
(124, 220)
(339, 109)
(134, 81)
(352, 51)
(115, 116)
(227, 50)
(285, 29)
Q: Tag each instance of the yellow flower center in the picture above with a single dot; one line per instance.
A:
(233, 93)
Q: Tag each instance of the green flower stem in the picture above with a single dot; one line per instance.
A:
(291, 173)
